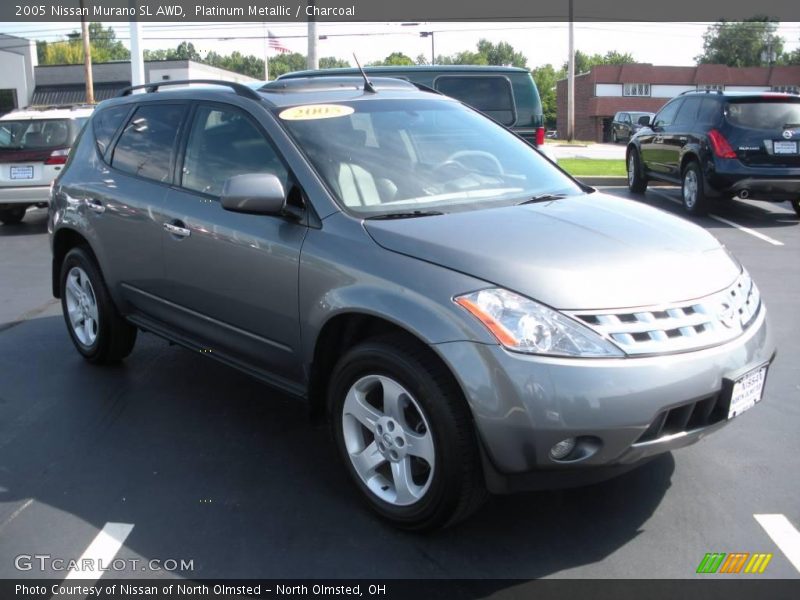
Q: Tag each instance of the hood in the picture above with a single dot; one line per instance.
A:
(583, 252)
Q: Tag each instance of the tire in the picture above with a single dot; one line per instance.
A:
(12, 215)
(637, 183)
(614, 139)
(446, 485)
(796, 206)
(693, 195)
(99, 333)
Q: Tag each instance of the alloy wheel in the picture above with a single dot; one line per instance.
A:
(690, 188)
(388, 439)
(82, 306)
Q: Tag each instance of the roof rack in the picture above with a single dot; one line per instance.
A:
(41, 107)
(700, 92)
(241, 90)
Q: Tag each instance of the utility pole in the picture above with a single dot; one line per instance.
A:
(137, 55)
(313, 61)
(571, 79)
(87, 58)
(266, 51)
(430, 35)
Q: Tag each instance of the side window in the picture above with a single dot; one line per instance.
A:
(223, 142)
(618, 117)
(666, 115)
(490, 95)
(147, 144)
(626, 118)
(688, 113)
(106, 123)
(709, 112)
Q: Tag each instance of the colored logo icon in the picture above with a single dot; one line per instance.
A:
(734, 563)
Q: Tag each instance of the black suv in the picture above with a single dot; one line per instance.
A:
(721, 144)
(626, 124)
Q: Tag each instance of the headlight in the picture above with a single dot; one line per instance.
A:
(522, 325)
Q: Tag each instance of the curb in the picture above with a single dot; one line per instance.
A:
(612, 181)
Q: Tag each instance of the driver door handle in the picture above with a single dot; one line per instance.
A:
(95, 205)
(177, 229)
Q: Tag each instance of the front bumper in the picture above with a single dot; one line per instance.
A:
(34, 194)
(523, 405)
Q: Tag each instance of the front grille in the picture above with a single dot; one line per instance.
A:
(682, 326)
(687, 417)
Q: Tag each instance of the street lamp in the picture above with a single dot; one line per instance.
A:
(429, 34)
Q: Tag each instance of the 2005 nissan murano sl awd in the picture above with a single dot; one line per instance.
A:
(468, 316)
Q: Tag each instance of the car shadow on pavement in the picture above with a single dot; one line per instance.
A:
(214, 467)
(35, 223)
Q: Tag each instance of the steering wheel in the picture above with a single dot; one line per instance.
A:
(454, 160)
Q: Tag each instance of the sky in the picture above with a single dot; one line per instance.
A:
(541, 43)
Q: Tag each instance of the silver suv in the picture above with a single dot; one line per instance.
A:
(34, 144)
(468, 316)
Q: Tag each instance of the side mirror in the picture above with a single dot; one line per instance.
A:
(254, 193)
(644, 121)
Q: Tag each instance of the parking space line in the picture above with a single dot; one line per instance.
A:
(16, 513)
(752, 232)
(101, 551)
(783, 533)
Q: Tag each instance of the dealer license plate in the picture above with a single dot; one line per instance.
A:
(22, 172)
(781, 147)
(747, 391)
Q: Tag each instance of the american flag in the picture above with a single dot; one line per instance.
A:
(274, 43)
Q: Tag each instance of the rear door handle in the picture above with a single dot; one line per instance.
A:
(177, 229)
(95, 205)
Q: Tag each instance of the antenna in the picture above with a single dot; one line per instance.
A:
(368, 87)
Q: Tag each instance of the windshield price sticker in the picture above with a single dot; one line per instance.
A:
(312, 112)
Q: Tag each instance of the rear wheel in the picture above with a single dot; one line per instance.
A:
(693, 193)
(99, 333)
(796, 206)
(13, 214)
(637, 183)
(405, 434)
(614, 139)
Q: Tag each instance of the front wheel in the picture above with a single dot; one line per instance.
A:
(405, 434)
(614, 137)
(693, 193)
(796, 206)
(12, 215)
(99, 333)
(637, 183)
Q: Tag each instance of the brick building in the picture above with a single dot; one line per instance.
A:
(607, 89)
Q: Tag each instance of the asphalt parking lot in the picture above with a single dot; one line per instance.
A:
(212, 467)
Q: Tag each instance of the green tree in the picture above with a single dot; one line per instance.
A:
(584, 62)
(331, 62)
(104, 45)
(286, 63)
(748, 43)
(546, 77)
(502, 53)
(395, 58)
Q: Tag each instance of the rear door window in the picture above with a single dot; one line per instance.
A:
(688, 112)
(764, 115)
(224, 142)
(709, 111)
(491, 95)
(106, 123)
(147, 144)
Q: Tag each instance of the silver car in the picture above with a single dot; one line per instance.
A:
(468, 316)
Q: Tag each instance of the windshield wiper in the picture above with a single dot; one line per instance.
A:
(406, 215)
(542, 198)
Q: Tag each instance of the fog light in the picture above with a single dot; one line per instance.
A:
(562, 449)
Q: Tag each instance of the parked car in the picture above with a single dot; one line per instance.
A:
(34, 144)
(626, 123)
(721, 145)
(506, 94)
(468, 316)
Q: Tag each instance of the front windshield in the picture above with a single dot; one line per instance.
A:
(389, 156)
(636, 116)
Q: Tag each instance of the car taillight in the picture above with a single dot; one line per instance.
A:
(720, 145)
(58, 157)
(540, 136)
